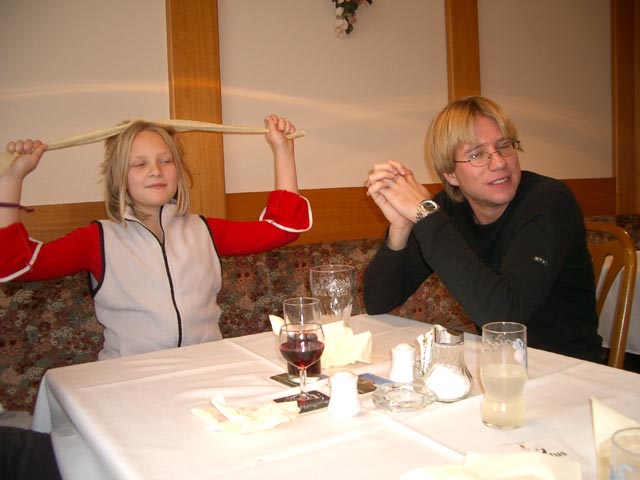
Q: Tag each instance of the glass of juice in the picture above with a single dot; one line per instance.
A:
(503, 372)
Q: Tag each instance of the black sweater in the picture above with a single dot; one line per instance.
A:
(530, 266)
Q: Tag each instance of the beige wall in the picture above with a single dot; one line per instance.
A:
(548, 63)
(73, 66)
(362, 99)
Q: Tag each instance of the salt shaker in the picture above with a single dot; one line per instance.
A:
(448, 376)
(344, 401)
(403, 357)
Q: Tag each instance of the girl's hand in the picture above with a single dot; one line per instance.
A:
(30, 152)
(278, 128)
(284, 157)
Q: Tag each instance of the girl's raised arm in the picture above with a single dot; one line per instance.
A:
(286, 177)
(31, 152)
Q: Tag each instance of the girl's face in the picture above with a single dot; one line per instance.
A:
(152, 180)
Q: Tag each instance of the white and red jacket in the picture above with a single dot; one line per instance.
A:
(148, 295)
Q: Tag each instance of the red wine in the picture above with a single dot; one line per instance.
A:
(312, 372)
(302, 353)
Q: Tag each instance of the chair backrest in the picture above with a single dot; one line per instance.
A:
(617, 244)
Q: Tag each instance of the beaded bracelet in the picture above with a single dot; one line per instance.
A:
(16, 205)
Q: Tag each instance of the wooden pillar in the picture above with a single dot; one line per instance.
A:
(463, 49)
(194, 91)
(624, 72)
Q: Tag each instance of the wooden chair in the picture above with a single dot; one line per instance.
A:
(617, 244)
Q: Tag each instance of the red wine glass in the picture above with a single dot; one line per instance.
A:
(301, 344)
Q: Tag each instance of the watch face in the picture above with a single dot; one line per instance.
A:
(429, 205)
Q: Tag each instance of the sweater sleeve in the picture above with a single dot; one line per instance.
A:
(285, 215)
(393, 276)
(26, 259)
(288, 211)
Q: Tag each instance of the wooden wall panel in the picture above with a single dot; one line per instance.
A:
(339, 213)
(624, 65)
(463, 68)
(463, 48)
(348, 213)
(194, 91)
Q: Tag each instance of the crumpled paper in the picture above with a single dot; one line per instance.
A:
(606, 421)
(505, 466)
(223, 417)
(341, 345)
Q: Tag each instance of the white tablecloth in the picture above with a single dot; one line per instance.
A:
(130, 417)
(606, 316)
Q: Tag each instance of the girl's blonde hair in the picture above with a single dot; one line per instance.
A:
(453, 127)
(115, 168)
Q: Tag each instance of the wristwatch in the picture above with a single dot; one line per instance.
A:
(426, 208)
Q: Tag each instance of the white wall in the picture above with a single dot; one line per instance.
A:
(548, 63)
(73, 66)
(362, 99)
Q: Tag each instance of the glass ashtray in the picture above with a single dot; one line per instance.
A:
(402, 397)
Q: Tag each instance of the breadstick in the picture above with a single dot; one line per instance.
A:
(7, 158)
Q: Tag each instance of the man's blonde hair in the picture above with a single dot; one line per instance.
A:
(453, 127)
(115, 168)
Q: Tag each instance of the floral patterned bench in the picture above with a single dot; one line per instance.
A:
(52, 323)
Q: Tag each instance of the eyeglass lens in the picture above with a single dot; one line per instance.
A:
(479, 159)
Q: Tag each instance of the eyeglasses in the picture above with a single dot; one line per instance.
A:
(480, 159)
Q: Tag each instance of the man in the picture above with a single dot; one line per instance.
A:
(509, 245)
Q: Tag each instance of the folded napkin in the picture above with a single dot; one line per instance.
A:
(341, 345)
(508, 466)
(606, 421)
(221, 416)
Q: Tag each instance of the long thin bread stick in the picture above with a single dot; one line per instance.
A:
(7, 158)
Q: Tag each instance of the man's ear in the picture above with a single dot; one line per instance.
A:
(451, 178)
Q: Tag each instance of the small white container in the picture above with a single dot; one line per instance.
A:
(403, 358)
(344, 401)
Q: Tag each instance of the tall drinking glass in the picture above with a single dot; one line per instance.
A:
(301, 344)
(334, 286)
(503, 372)
(624, 460)
(302, 310)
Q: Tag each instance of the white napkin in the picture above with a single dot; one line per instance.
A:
(508, 466)
(341, 345)
(221, 416)
(606, 421)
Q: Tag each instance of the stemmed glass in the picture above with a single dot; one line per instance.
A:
(302, 310)
(301, 344)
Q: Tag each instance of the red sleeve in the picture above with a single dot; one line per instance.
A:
(285, 215)
(77, 251)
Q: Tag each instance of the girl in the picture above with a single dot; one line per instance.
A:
(154, 268)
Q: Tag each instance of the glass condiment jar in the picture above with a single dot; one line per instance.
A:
(447, 375)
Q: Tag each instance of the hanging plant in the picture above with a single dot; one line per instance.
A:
(346, 15)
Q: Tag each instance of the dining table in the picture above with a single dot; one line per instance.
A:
(131, 417)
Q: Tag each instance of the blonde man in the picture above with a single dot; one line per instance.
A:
(510, 245)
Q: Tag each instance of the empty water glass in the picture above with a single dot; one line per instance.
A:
(334, 286)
